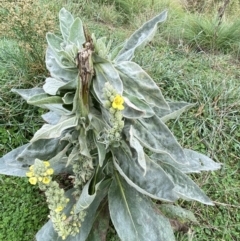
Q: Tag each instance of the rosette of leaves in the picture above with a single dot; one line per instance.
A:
(144, 162)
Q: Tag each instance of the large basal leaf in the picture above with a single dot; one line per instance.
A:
(54, 131)
(66, 19)
(155, 183)
(76, 34)
(41, 149)
(105, 72)
(177, 212)
(196, 162)
(155, 135)
(101, 223)
(26, 94)
(134, 216)
(43, 99)
(140, 37)
(176, 109)
(138, 83)
(184, 186)
(57, 71)
(200, 162)
(10, 166)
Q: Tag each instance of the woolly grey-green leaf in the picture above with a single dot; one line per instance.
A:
(184, 186)
(134, 216)
(176, 109)
(56, 70)
(105, 72)
(10, 166)
(26, 94)
(140, 37)
(196, 162)
(54, 131)
(41, 149)
(138, 83)
(154, 135)
(52, 85)
(42, 99)
(155, 183)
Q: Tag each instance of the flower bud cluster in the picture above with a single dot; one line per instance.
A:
(83, 170)
(41, 173)
(114, 104)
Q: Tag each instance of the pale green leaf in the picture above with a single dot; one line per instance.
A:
(156, 136)
(184, 186)
(52, 85)
(138, 83)
(57, 71)
(54, 42)
(51, 117)
(76, 34)
(66, 19)
(68, 98)
(140, 37)
(54, 131)
(134, 216)
(177, 212)
(26, 94)
(44, 99)
(155, 183)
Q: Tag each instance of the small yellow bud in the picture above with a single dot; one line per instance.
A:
(50, 171)
(40, 179)
(58, 209)
(46, 163)
(31, 168)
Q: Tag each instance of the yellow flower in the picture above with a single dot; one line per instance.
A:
(29, 174)
(33, 180)
(59, 209)
(118, 102)
(46, 180)
(46, 163)
(31, 168)
(50, 171)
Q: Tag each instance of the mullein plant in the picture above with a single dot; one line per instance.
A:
(105, 127)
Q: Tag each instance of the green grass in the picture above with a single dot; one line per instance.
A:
(211, 127)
